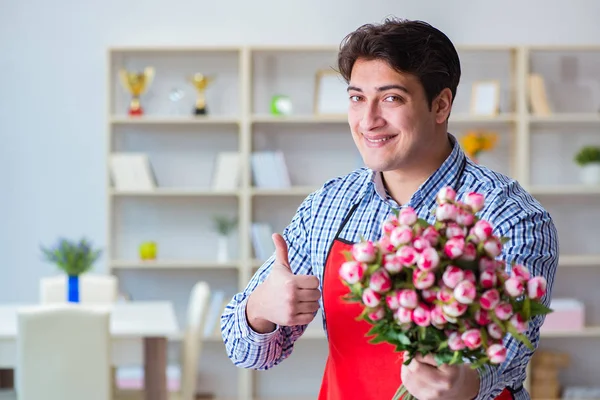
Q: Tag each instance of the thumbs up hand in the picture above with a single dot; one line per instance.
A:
(283, 298)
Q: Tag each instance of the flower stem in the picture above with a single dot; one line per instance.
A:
(402, 393)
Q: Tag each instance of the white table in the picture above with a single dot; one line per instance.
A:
(150, 323)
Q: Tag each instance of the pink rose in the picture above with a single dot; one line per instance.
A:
(446, 212)
(452, 275)
(495, 331)
(492, 247)
(536, 287)
(409, 298)
(521, 272)
(377, 314)
(428, 259)
(392, 263)
(423, 279)
(380, 281)
(464, 218)
(401, 235)
(364, 252)
(482, 317)
(371, 298)
(488, 278)
(453, 230)
(454, 248)
(445, 195)
(472, 338)
(407, 255)
(470, 276)
(407, 216)
(503, 311)
(421, 316)
(489, 299)
(519, 323)
(496, 353)
(420, 244)
(514, 287)
(469, 252)
(437, 317)
(429, 295)
(388, 226)
(486, 263)
(431, 235)
(475, 201)
(482, 230)
(454, 309)
(385, 245)
(455, 342)
(393, 300)
(352, 271)
(403, 315)
(445, 295)
(465, 292)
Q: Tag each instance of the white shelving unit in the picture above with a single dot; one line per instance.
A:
(536, 150)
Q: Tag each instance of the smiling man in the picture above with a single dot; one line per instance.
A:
(402, 79)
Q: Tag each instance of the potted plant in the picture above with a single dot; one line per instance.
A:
(475, 142)
(74, 258)
(223, 226)
(588, 158)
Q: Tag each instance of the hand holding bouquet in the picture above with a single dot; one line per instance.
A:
(440, 289)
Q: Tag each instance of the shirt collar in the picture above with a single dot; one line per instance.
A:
(448, 174)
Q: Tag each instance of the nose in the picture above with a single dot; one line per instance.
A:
(371, 118)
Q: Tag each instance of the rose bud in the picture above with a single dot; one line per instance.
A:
(445, 295)
(445, 195)
(455, 342)
(409, 298)
(423, 279)
(492, 247)
(519, 323)
(482, 230)
(503, 311)
(421, 316)
(489, 299)
(486, 263)
(407, 216)
(454, 309)
(536, 287)
(371, 298)
(386, 246)
(450, 319)
(475, 201)
(501, 274)
(392, 299)
(469, 252)
(446, 212)
(470, 276)
(521, 272)
(495, 331)
(437, 317)
(403, 315)
(388, 226)
(452, 275)
(482, 317)
(352, 271)
(431, 235)
(472, 338)
(377, 314)
(464, 218)
(380, 281)
(392, 263)
(429, 295)
(428, 259)
(453, 230)
(401, 235)
(454, 248)
(364, 252)
(496, 353)
(514, 287)
(420, 244)
(488, 278)
(407, 255)
(465, 292)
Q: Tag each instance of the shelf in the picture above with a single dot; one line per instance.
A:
(172, 264)
(468, 118)
(174, 192)
(565, 118)
(586, 260)
(293, 191)
(563, 190)
(586, 332)
(300, 119)
(173, 120)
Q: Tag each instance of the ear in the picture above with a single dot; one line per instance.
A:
(442, 105)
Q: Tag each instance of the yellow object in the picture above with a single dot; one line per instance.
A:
(475, 142)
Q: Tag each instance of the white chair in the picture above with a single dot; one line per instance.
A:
(63, 352)
(93, 289)
(182, 377)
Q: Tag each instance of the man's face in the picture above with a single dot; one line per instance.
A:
(389, 117)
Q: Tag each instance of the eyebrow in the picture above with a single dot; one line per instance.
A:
(381, 88)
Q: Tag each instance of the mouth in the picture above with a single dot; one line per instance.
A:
(377, 141)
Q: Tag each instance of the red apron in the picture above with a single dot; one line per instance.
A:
(355, 368)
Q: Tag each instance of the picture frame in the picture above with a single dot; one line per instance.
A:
(485, 98)
(330, 97)
(132, 171)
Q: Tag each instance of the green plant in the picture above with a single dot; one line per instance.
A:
(588, 154)
(74, 258)
(224, 225)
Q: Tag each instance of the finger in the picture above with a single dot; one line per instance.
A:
(308, 294)
(428, 359)
(307, 307)
(302, 319)
(281, 250)
(307, 281)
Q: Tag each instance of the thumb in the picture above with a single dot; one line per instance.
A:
(281, 251)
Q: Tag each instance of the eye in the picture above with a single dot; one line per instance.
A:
(393, 98)
(354, 98)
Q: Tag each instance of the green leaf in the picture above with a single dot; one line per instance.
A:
(456, 358)
(537, 308)
(402, 338)
(423, 223)
(519, 336)
(504, 240)
(526, 308)
(347, 255)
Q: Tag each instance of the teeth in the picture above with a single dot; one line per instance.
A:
(378, 140)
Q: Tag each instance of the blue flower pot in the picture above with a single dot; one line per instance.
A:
(73, 289)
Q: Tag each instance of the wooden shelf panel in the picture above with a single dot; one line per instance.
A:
(293, 191)
(299, 119)
(174, 192)
(173, 120)
(562, 118)
(173, 264)
(585, 260)
(591, 331)
(469, 118)
(564, 190)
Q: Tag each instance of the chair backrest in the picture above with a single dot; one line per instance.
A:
(63, 353)
(93, 289)
(193, 338)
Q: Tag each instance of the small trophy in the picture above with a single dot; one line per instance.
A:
(136, 83)
(200, 82)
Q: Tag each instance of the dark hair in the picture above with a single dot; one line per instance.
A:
(413, 47)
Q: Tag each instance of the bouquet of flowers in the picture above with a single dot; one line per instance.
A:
(440, 289)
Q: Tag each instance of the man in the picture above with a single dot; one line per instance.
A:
(402, 78)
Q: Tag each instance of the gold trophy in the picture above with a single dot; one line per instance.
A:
(200, 82)
(136, 83)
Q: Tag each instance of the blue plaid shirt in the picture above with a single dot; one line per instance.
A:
(513, 212)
